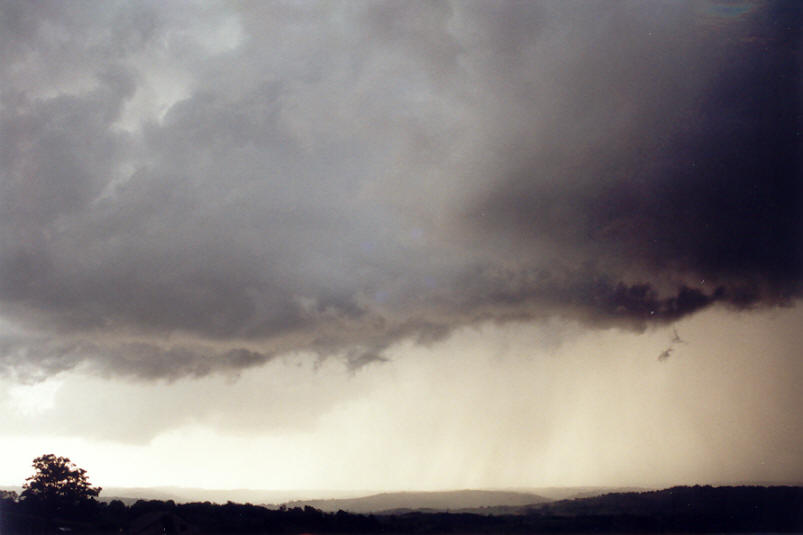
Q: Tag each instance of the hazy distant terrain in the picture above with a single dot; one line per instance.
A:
(433, 501)
(565, 493)
(468, 500)
(188, 494)
(129, 495)
(365, 501)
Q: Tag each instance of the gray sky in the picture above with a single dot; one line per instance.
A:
(402, 245)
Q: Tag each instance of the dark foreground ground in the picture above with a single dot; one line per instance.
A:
(675, 510)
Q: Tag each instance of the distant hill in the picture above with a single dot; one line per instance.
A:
(129, 495)
(698, 509)
(566, 493)
(456, 500)
(326, 499)
(696, 500)
(495, 501)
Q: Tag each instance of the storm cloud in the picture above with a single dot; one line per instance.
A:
(189, 189)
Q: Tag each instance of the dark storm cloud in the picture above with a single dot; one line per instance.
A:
(33, 358)
(672, 154)
(339, 177)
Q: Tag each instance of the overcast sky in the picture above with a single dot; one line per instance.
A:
(387, 245)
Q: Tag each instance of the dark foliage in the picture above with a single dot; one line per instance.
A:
(698, 508)
(59, 489)
(679, 509)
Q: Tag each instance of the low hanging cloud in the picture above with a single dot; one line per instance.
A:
(201, 189)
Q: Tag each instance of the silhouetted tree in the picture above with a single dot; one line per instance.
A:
(59, 488)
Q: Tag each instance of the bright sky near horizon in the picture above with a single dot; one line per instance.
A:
(492, 407)
(388, 245)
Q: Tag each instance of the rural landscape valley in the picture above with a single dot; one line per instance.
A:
(59, 498)
(698, 509)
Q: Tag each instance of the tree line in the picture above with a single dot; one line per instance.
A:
(58, 499)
